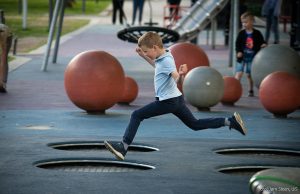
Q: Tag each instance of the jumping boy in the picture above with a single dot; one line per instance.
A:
(248, 43)
(168, 97)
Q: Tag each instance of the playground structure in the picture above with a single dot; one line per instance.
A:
(197, 18)
(187, 28)
(188, 24)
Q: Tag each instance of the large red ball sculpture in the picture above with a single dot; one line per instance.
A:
(94, 81)
(190, 54)
(130, 91)
(232, 90)
(279, 93)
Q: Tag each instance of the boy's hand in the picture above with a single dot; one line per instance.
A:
(182, 69)
(140, 51)
(239, 55)
(263, 45)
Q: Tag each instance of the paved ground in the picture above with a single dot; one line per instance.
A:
(37, 112)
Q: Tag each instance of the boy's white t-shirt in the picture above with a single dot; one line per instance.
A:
(165, 86)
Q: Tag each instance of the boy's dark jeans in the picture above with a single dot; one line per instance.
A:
(173, 105)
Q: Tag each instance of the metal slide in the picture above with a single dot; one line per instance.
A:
(198, 17)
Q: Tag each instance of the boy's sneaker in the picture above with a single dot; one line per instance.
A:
(117, 148)
(237, 123)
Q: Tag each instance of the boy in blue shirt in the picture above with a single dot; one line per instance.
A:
(168, 97)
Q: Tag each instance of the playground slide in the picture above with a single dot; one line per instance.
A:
(198, 17)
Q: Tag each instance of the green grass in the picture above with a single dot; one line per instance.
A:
(37, 19)
(39, 27)
(41, 7)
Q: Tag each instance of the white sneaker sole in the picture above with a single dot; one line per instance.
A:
(117, 154)
(240, 121)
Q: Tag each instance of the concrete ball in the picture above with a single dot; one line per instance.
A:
(94, 81)
(274, 58)
(279, 93)
(203, 87)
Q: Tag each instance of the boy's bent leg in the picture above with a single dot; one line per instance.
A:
(153, 109)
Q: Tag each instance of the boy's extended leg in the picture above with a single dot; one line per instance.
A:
(186, 116)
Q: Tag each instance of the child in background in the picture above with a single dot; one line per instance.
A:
(249, 41)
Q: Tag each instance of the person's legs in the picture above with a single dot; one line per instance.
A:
(135, 7)
(115, 6)
(121, 2)
(239, 69)
(178, 108)
(250, 80)
(153, 109)
(275, 29)
(186, 116)
(119, 149)
(250, 83)
(268, 25)
(177, 3)
(141, 8)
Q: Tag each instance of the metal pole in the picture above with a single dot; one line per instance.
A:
(50, 13)
(234, 18)
(60, 24)
(213, 33)
(207, 36)
(24, 12)
(51, 32)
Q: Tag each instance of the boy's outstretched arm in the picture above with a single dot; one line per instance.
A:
(142, 54)
(179, 76)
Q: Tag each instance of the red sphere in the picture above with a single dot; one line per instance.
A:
(190, 54)
(279, 93)
(94, 80)
(232, 90)
(130, 91)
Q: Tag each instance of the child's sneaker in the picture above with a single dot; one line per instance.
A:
(117, 148)
(237, 123)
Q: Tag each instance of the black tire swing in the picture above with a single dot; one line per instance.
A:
(132, 34)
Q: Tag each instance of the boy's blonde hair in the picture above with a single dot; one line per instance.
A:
(247, 15)
(150, 39)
